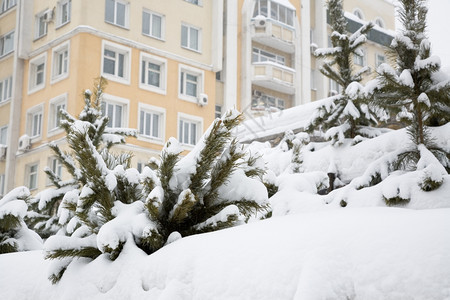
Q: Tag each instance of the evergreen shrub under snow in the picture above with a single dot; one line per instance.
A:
(217, 185)
(14, 233)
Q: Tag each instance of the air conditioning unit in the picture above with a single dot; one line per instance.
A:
(48, 15)
(260, 21)
(24, 143)
(3, 152)
(202, 100)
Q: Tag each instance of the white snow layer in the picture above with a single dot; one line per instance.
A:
(370, 253)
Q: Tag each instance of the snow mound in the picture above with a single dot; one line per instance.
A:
(371, 253)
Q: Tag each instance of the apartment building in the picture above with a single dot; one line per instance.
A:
(172, 67)
(357, 13)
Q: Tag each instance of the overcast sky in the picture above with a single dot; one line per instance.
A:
(439, 30)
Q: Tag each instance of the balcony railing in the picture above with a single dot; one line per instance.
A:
(274, 34)
(274, 76)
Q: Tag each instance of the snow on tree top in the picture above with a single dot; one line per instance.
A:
(172, 146)
(406, 79)
(423, 98)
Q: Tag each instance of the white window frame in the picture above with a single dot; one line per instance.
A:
(53, 118)
(268, 12)
(57, 63)
(126, 13)
(56, 166)
(6, 40)
(2, 185)
(29, 173)
(188, 38)
(195, 2)
(161, 112)
(37, 25)
(117, 101)
(4, 135)
(5, 89)
(218, 111)
(117, 49)
(332, 85)
(152, 14)
(182, 117)
(378, 62)
(183, 70)
(259, 55)
(144, 60)
(6, 5)
(32, 73)
(31, 126)
(360, 60)
(60, 7)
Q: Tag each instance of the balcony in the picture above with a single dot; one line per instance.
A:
(273, 76)
(273, 34)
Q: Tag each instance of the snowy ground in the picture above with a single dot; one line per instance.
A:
(312, 248)
(352, 253)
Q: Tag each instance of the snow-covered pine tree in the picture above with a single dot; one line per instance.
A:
(14, 233)
(117, 207)
(209, 189)
(344, 115)
(46, 215)
(417, 91)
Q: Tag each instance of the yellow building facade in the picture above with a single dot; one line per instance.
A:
(172, 67)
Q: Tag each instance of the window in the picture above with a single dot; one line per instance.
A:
(2, 184)
(32, 178)
(358, 13)
(275, 11)
(191, 83)
(60, 68)
(359, 58)
(189, 129)
(34, 121)
(218, 111)
(196, 2)
(56, 166)
(40, 25)
(116, 62)
(190, 37)
(116, 109)
(335, 88)
(379, 59)
(261, 101)
(116, 12)
(56, 105)
(64, 9)
(140, 166)
(153, 73)
(5, 89)
(37, 73)
(3, 135)
(6, 43)
(379, 22)
(114, 113)
(261, 56)
(151, 120)
(7, 4)
(152, 24)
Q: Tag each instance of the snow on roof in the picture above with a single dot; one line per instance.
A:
(352, 17)
(276, 123)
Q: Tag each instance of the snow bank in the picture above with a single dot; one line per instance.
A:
(376, 253)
